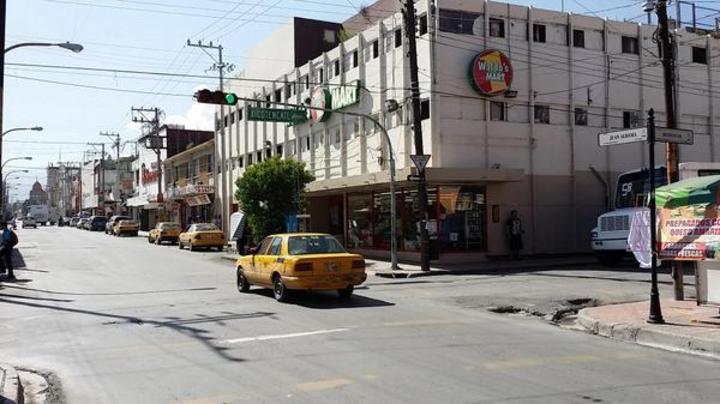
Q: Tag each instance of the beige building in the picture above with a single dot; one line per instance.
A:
(513, 100)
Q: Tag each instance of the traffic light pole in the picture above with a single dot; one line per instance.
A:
(3, 11)
(655, 316)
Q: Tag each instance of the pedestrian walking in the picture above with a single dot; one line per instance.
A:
(9, 241)
(514, 231)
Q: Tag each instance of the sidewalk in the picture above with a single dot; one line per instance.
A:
(689, 328)
(11, 391)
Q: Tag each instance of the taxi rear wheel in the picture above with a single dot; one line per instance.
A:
(347, 292)
(281, 293)
(192, 247)
(242, 282)
(180, 245)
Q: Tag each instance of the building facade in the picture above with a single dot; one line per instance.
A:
(513, 99)
(188, 181)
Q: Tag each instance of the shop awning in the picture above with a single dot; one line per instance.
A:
(136, 201)
(692, 191)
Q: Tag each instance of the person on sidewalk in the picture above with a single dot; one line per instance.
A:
(9, 241)
(514, 232)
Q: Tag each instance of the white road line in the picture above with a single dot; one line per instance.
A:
(283, 336)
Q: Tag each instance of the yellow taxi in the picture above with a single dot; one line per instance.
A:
(164, 231)
(202, 235)
(128, 227)
(300, 261)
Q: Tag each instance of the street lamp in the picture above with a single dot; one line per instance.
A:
(13, 159)
(13, 172)
(74, 47)
(34, 128)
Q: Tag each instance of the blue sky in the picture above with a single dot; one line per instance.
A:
(146, 35)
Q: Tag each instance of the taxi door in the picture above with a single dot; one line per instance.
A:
(253, 272)
(268, 262)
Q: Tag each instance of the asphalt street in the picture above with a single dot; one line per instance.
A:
(122, 321)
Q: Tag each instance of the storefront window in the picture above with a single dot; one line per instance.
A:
(360, 233)
(463, 219)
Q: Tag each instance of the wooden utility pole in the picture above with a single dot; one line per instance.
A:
(410, 25)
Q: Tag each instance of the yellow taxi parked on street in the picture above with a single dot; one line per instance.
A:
(202, 235)
(164, 231)
(300, 261)
(129, 227)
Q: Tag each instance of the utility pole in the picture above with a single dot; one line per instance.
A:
(3, 11)
(226, 203)
(153, 140)
(410, 24)
(116, 145)
(668, 62)
(101, 194)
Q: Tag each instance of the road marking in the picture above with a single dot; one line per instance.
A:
(323, 385)
(283, 336)
(212, 400)
(420, 322)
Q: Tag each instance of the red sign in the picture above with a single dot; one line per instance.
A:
(149, 176)
(491, 72)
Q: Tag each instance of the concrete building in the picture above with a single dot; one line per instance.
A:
(513, 100)
(62, 182)
(147, 203)
(188, 181)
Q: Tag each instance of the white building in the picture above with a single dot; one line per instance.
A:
(520, 134)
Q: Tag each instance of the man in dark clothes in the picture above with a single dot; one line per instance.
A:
(9, 240)
(514, 232)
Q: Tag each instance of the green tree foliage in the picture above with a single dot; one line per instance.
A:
(269, 191)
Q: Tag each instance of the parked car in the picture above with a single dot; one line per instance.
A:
(202, 235)
(307, 261)
(113, 221)
(126, 227)
(164, 231)
(97, 223)
(29, 221)
(74, 221)
(81, 222)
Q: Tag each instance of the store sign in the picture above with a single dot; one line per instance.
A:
(338, 98)
(491, 72)
(198, 200)
(149, 176)
(294, 116)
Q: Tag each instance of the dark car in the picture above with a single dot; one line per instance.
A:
(113, 221)
(97, 223)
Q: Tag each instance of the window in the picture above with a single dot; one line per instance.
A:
(268, 100)
(398, 38)
(225, 121)
(287, 91)
(259, 158)
(278, 95)
(355, 58)
(423, 24)
(307, 142)
(538, 33)
(578, 38)
(338, 138)
(320, 75)
(542, 114)
(581, 117)
(497, 111)
(424, 110)
(249, 159)
(699, 55)
(631, 119)
(456, 22)
(375, 49)
(240, 114)
(240, 162)
(275, 247)
(336, 65)
(232, 117)
(497, 28)
(279, 150)
(630, 45)
(263, 246)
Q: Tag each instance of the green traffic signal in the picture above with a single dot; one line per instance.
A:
(231, 98)
(206, 96)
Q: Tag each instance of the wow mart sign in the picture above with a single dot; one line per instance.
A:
(338, 97)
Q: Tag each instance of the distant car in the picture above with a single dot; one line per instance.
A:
(202, 235)
(29, 221)
(309, 261)
(110, 224)
(81, 222)
(97, 223)
(126, 227)
(74, 221)
(164, 231)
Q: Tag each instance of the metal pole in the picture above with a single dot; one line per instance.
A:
(393, 203)
(3, 11)
(655, 316)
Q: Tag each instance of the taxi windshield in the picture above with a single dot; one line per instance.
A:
(302, 245)
(168, 226)
(205, 227)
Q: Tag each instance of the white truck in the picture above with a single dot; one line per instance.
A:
(40, 213)
(609, 238)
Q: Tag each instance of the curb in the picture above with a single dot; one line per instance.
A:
(647, 336)
(11, 390)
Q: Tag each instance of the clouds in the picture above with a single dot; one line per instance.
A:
(198, 116)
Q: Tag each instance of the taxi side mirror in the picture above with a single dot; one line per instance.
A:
(252, 250)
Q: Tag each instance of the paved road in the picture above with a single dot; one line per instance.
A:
(122, 321)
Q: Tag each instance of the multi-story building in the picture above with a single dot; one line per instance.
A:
(188, 181)
(512, 101)
(147, 203)
(61, 187)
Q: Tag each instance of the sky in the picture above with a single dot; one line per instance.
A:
(144, 35)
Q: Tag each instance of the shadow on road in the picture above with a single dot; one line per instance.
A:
(326, 300)
(45, 299)
(144, 292)
(197, 334)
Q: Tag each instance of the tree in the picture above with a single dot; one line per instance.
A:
(270, 191)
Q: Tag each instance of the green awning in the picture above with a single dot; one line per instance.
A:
(692, 191)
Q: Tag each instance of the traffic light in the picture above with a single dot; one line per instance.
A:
(215, 97)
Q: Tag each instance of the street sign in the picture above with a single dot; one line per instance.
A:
(420, 160)
(682, 136)
(276, 115)
(623, 136)
(413, 178)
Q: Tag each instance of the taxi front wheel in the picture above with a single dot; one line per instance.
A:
(242, 282)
